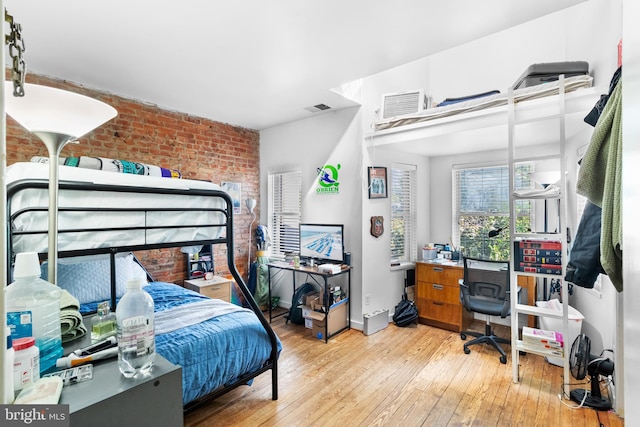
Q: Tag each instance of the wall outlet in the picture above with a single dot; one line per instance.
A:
(367, 299)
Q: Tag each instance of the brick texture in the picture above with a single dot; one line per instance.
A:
(200, 148)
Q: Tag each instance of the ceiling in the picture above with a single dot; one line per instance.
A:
(250, 63)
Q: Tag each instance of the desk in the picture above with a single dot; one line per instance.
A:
(283, 266)
(438, 295)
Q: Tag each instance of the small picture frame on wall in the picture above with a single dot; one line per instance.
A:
(234, 190)
(377, 182)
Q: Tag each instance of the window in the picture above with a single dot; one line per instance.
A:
(285, 196)
(481, 206)
(403, 212)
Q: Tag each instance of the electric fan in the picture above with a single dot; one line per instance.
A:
(582, 362)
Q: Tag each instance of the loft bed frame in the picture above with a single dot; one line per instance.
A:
(225, 227)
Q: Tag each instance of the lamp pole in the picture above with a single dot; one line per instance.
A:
(3, 228)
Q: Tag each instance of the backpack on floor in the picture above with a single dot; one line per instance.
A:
(405, 312)
(295, 312)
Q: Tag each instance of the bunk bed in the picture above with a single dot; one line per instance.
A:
(106, 214)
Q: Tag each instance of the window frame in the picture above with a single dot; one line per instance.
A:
(284, 207)
(399, 187)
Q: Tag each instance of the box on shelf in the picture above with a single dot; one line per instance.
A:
(543, 338)
(337, 318)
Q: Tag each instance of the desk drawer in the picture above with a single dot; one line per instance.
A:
(442, 312)
(443, 275)
(441, 293)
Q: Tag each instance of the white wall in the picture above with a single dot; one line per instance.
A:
(325, 138)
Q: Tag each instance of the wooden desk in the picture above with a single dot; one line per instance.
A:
(314, 272)
(438, 295)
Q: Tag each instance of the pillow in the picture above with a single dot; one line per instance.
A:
(89, 278)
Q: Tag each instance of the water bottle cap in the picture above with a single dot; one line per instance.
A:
(27, 265)
(22, 343)
(135, 283)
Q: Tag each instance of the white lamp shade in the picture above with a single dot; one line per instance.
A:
(44, 109)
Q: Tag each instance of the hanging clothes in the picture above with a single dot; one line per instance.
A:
(600, 180)
(584, 265)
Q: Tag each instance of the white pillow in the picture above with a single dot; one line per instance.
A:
(89, 278)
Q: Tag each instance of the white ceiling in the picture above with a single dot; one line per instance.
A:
(251, 63)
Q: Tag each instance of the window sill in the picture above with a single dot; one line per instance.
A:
(405, 265)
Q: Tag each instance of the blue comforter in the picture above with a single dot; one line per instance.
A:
(214, 352)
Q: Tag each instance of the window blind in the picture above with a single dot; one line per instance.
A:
(403, 212)
(481, 204)
(285, 200)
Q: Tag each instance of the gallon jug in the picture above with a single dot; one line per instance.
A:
(33, 309)
(135, 330)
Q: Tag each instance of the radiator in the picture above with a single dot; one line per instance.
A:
(376, 321)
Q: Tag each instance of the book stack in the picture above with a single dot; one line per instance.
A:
(541, 341)
(538, 256)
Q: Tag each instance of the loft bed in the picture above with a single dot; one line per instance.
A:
(107, 214)
(480, 124)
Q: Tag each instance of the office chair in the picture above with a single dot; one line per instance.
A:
(485, 289)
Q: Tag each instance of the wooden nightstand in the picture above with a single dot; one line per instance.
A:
(216, 287)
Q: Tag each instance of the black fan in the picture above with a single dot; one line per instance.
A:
(582, 362)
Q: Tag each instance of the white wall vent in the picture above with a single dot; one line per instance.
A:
(401, 103)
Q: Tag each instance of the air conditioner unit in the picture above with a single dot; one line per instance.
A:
(401, 103)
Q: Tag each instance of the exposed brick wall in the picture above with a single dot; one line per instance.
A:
(199, 148)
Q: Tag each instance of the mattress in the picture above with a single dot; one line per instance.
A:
(139, 218)
(214, 352)
(524, 94)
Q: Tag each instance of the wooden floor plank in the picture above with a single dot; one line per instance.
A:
(413, 376)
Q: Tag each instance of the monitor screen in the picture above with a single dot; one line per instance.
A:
(324, 242)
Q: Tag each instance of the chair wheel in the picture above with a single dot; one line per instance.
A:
(503, 360)
(463, 337)
(466, 350)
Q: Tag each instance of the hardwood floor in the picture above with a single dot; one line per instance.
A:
(414, 376)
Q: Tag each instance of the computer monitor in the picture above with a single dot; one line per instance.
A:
(323, 242)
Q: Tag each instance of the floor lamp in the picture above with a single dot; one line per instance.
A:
(57, 117)
(251, 205)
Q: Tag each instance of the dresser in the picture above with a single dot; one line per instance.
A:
(438, 296)
(216, 287)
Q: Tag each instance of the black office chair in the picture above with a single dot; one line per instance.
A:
(485, 289)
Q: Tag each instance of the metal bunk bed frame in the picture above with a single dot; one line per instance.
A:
(227, 240)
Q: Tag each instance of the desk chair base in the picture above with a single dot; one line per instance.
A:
(487, 338)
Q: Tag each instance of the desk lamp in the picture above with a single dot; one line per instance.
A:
(57, 117)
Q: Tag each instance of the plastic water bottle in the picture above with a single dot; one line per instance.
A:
(136, 335)
(8, 370)
(33, 309)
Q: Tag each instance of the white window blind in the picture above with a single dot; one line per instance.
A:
(403, 212)
(481, 205)
(285, 195)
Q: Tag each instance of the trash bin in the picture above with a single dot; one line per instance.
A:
(553, 324)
